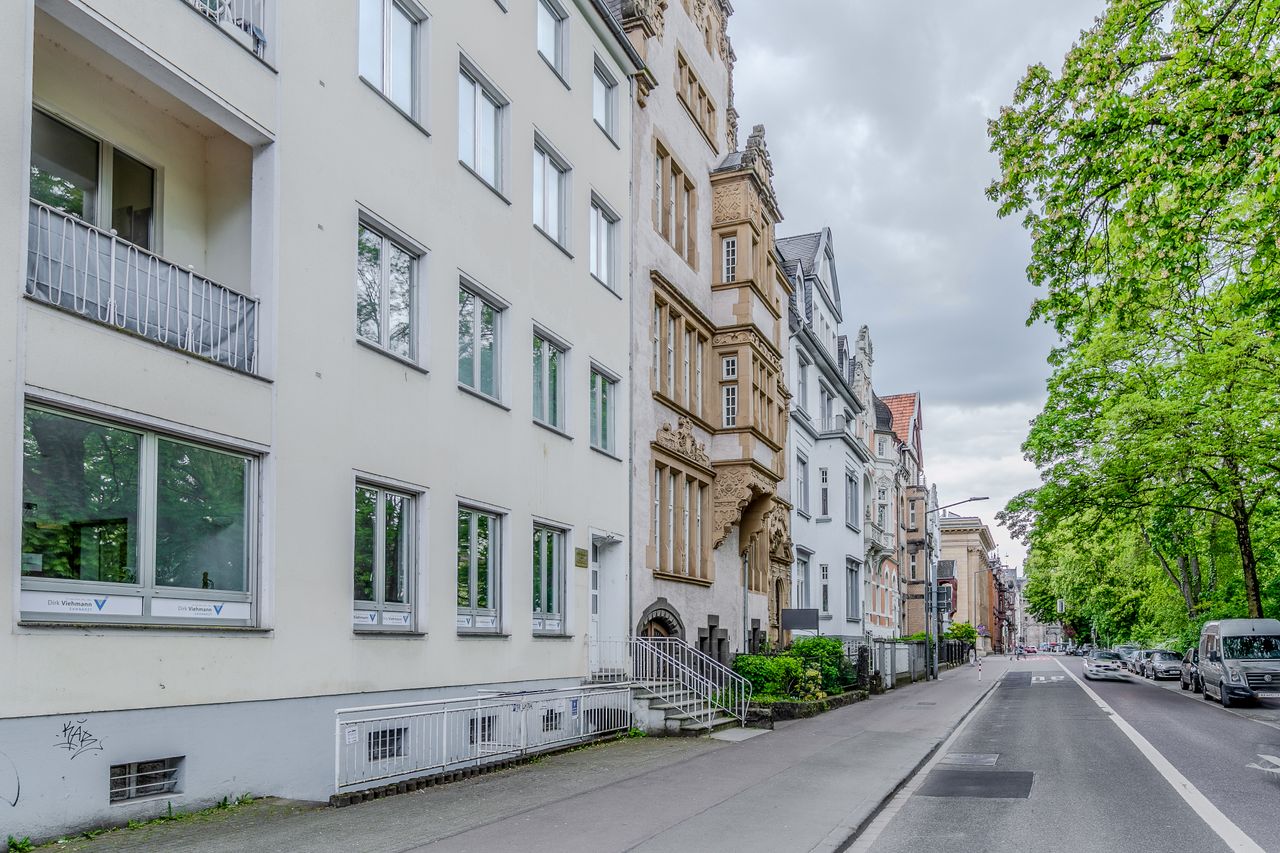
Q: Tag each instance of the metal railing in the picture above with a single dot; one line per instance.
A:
(697, 684)
(382, 742)
(94, 273)
(245, 20)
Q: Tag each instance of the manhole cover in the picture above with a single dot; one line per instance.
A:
(980, 759)
(996, 784)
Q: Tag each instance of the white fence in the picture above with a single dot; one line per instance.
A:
(698, 684)
(394, 742)
(97, 275)
(894, 660)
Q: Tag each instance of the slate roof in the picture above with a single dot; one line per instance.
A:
(800, 249)
(884, 415)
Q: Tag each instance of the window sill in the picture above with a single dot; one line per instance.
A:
(802, 513)
(146, 626)
(490, 187)
(607, 453)
(853, 527)
(853, 618)
(388, 633)
(554, 429)
(554, 241)
(497, 635)
(607, 135)
(606, 285)
(383, 351)
(399, 109)
(480, 395)
(556, 71)
(668, 576)
(822, 519)
(544, 635)
(826, 617)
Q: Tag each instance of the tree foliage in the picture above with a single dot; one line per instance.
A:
(1147, 173)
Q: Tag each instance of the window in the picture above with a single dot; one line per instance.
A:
(139, 779)
(550, 193)
(603, 237)
(800, 582)
(852, 590)
(882, 446)
(482, 729)
(552, 34)
(671, 356)
(729, 367)
(384, 558)
(882, 507)
(944, 598)
(386, 744)
(697, 376)
(479, 350)
(604, 99)
(697, 102)
(730, 405)
(913, 565)
(824, 493)
(481, 116)
(802, 384)
(548, 390)
(912, 516)
(680, 348)
(603, 391)
(92, 180)
(479, 570)
(824, 576)
(124, 522)
(389, 51)
(675, 206)
(850, 499)
(826, 406)
(679, 506)
(548, 580)
(385, 297)
(802, 484)
(946, 569)
(729, 259)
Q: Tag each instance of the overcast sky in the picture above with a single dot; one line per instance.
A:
(875, 114)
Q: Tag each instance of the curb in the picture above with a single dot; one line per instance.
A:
(887, 798)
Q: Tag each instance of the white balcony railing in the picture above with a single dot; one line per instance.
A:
(384, 742)
(93, 273)
(243, 20)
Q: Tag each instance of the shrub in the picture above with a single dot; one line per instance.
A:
(827, 657)
(770, 676)
(962, 631)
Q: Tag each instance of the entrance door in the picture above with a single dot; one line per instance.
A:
(594, 623)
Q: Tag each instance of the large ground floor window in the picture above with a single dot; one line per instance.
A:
(479, 570)
(548, 580)
(384, 559)
(128, 525)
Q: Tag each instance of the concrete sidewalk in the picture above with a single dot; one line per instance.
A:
(807, 785)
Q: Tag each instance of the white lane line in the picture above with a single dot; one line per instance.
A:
(1234, 836)
(871, 834)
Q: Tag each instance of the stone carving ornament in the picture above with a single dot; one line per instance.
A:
(682, 442)
(735, 488)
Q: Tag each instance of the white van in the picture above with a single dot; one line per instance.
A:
(1240, 659)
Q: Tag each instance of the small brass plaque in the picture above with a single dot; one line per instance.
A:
(580, 557)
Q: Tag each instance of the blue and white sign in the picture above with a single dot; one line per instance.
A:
(395, 620)
(364, 617)
(35, 601)
(181, 608)
(573, 708)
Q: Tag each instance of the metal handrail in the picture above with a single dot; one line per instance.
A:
(79, 268)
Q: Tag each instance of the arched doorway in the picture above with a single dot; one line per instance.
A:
(660, 619)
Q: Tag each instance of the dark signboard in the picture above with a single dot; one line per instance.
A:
(805, 618)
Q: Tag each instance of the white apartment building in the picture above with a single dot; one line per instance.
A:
(314, 371)
(829, 455)
(711, 549)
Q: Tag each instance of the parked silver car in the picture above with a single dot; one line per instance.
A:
(1162, 664)
(1101, 664)
(1189, 673)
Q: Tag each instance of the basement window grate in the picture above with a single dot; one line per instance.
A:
(387, 744)
(140, 779)
(552, 720)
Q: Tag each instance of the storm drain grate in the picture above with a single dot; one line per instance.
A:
(980, 759)
(992, 784)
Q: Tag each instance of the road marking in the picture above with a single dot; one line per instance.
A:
(869, 836)
(1042, 679)
(1234, 836)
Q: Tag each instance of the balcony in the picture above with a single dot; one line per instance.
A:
(78, 268)
(243, 20)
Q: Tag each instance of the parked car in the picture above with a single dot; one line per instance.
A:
(1190, 670)
(1162, 664)
(1125, 651)
(1240, 660)
(1140, 661)
(1103, 664)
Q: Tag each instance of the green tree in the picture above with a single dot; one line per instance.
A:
(1148, 170)
(962, 631)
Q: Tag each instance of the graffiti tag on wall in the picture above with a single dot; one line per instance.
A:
(76, 739)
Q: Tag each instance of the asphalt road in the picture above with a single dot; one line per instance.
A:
(1040, 766)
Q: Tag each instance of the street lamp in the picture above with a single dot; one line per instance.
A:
(931, 591)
